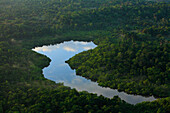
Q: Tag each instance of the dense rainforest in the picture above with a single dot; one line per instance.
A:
(132, 54)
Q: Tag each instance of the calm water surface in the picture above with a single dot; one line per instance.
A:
(59, 71)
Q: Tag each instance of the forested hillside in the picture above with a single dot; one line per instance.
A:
(132, 53)
(136, 53)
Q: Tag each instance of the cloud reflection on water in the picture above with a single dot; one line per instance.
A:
(68, 46)
(69, 49)
(59, 71)
(46, 48)
(92, 87)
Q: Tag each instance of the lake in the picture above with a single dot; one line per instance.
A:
(60, 72)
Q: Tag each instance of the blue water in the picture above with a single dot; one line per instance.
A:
(59, 71)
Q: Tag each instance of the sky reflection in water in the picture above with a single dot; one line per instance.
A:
(59, 71)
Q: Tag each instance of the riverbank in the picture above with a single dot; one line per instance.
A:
(29, 24)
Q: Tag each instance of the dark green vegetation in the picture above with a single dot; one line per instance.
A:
(131, 66)
(133, 53)
(135, 56)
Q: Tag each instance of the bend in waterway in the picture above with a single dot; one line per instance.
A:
(59, 71)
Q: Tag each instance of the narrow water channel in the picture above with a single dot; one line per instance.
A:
(59, 71)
